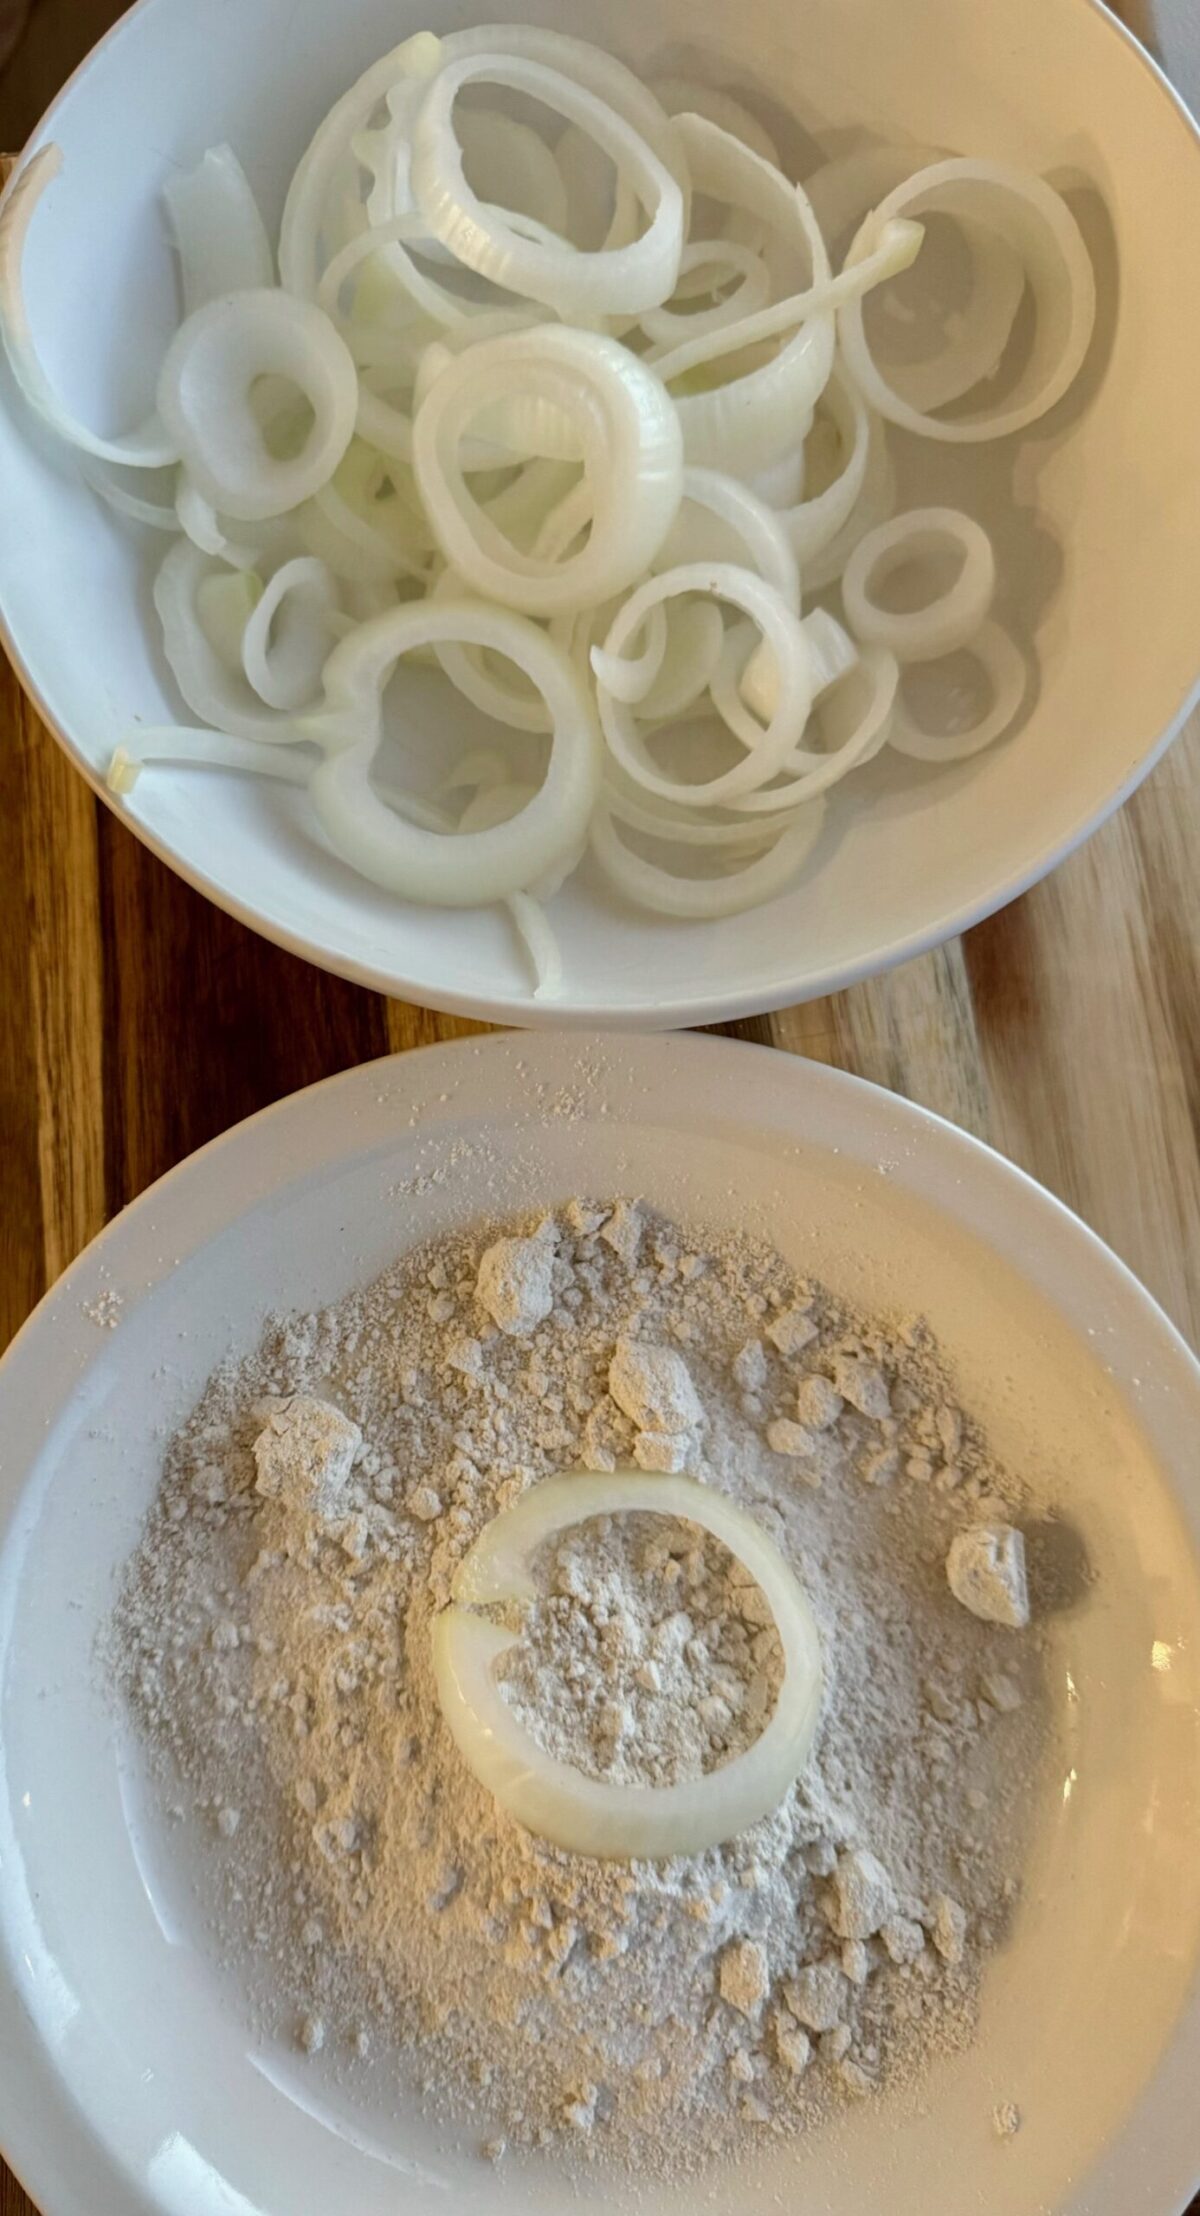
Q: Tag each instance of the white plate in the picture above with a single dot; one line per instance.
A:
(128, 2083)
(1094, 513)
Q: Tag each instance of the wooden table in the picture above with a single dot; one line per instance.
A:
(136, 1021)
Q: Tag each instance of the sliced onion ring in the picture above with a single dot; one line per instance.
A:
(288, 636)
(152, 445)
(1034, 220)
(745, 424)
(812, 524)
(455, 871)
(833, 654)
(611, 280)
(705, 899)
(721, 520)
(309, 193)
(204, 398)
(1004, 666)
(920, 634)
(219, 235)
(550, 1797)
(855, 714)
(632, 460)
(213, 691)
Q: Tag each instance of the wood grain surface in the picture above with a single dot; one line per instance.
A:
(136, 1020)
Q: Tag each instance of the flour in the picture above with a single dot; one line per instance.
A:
(272, 1641)
(643, 1663)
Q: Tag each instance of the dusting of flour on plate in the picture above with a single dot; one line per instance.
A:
(272, 1641)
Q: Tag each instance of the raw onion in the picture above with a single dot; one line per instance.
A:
(949, 620)
(1035, 221)
(606, 377)
(550, 1797)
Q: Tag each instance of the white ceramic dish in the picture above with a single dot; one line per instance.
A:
(1096, 523)
(128, 2084)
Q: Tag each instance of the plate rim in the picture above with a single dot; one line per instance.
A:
(47, 2140)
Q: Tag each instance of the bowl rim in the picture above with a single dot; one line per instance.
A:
(1153, 2154)
(644, 1010)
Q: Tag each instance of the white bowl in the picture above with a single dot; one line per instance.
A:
(1095, 513)
(129, 2082)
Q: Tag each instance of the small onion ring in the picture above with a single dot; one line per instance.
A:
(704, 899)
(310, 189)
(451, 871)
(746, 423)
(204, 400)
(922, 634)
(1004, 665)
(553, 1799)
(813, 523)
(213, 691)
(633, 463)
(857, 712)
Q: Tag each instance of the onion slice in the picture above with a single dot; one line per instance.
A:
(467, 870)
(610, 280)
(288, 636)
(761, 412)
(214, 691)
(706, 899)
(218, 233)
(550, 1797)
(1003, 665)
(780, 627)
(204, 398)
(721, 520)
(152, 445)
(311, 189)
(632, 460)
(854, 717)
(949, 620)
(1033, 219)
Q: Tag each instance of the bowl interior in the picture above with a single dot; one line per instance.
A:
(120, 2031)
(1097, 528)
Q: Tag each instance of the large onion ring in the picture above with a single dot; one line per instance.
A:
(451, 871)
(633, 463)
(920, 634)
